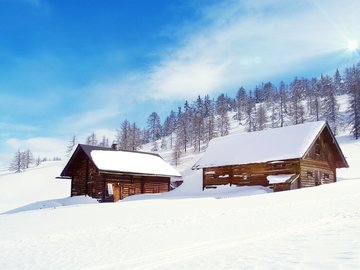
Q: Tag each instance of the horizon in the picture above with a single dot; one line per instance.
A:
(86, 66)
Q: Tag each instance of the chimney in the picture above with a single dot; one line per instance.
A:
(115, 146)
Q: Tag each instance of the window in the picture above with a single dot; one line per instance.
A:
(110, 189)
(317, 149)
(326, 176)
(310, 174)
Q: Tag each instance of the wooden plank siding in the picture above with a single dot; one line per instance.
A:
(137, 185)
(248, 174)
(88, 180)
(315, 172)
(317, 166)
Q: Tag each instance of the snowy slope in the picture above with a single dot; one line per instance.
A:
(35, 184)
(314, 228)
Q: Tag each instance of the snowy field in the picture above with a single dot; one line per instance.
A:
(314, 228)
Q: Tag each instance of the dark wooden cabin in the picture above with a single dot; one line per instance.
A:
(110, 175)
(292, 157)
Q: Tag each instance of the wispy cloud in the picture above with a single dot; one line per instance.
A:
(40, 146)
(233, 43)
(9, 127)
(244, 42)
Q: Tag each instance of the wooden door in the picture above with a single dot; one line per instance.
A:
(117, 193)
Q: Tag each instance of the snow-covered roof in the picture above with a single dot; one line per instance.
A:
(121, 161)
(261, 146)
(132, 162)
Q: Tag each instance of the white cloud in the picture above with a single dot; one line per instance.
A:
(39, 146)
(234, 43)
(249, 41)
(17, 127)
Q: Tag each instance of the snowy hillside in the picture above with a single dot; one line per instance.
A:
(314, 228)
(35, 184)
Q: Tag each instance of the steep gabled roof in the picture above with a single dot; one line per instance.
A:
(115, 161)
(284, 143)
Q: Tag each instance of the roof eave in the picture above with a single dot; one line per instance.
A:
(136, 173)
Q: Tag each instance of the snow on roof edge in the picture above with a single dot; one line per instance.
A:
(133, 162)
(286, 143)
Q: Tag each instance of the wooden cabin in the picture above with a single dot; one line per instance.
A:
(110, 175)
(286, 158)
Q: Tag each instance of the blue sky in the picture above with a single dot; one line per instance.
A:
(73, 67)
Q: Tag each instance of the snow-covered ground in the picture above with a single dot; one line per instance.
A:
(35, 184)
(313, 228)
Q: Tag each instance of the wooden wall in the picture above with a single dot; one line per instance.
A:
(131, 185)
(319, 165)
(248, 174)
(87, 180)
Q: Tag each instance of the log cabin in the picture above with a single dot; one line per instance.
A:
(110, 175)
(286, 158)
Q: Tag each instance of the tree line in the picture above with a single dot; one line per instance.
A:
(22, 160)
(194, 124)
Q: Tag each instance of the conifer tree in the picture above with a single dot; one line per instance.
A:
(250, 113)
(282, 103)
(91, 139)
(222, 108)
(330, 107)
(28, 158)
(17, 164)
(198, 123)
(296, 96)
(353, 88)
(209, 119)
(240, 101)
(261, 117)
(71, 144)
(154, 126)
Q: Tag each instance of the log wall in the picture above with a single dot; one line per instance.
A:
(248, 174)
(130, 185)
(87, 180)
(316, 172)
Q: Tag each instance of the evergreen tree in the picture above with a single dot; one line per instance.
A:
(135, 140)
(91, 139)
(240, 101)
(28, 158)
(353, 88)
(296, 95)
(209, 119)
(184, 130)
(17, 164)
(123, 136)
(154, 126)
(38, 161)
(163, 145)
(198, 123)
(71, 145)
(222, 108)
(330, 106)
(250, 113)
(176, 153)
(282, 103)
(261, 118)
(104, 142)
(314, 98)
(339, 84)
